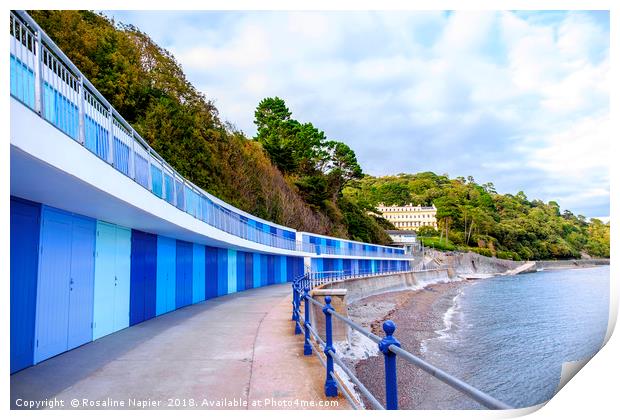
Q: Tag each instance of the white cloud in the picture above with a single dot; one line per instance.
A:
(466, 93)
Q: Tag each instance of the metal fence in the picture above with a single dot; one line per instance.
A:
(389, 346)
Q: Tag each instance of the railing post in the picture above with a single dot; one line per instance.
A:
(296, 303)
(307, 346)
(81, 113)
(331, 390)
(38, 76)
(391, 385)
(293, 301)
(111, 137)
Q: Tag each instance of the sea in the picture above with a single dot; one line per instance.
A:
(509, 336)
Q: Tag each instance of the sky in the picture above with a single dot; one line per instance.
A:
(520, 99)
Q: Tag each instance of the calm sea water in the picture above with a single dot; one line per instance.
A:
(509, 336)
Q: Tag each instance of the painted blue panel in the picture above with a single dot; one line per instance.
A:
(180, 195)
(283, 270)
(24, 257)
(121, 156)
(338, 266)
(157, 181)
(96, 138)
(346, 266)
(61, 112)
(64, 292)
(232, 271)
(249, 271)
(210, 272)
(52, 316)
(270, 269)
(169, 188)
(112, 279)
(264, 270)
(81, 284)
(166, 275)
(184, 274)
(240, 270)
(22, 82)
(105, 272)
(374, 266)
(256, 262)
(143, 276)
(142, 170)
(198, 277)
(328, 265)
(222, 271)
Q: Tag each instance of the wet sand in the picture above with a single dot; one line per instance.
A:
(417, 314)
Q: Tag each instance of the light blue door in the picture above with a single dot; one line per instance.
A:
(103, 316)
(166, 275)
(123, 278)
(82, 282)
(112, 279)
(198, 278)
(65, 289)
(52, 316)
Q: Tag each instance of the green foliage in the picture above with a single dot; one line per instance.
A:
(437, 243)
(427, 231)
(476, 216)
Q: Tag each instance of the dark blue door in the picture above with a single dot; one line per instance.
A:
(143, 276)
(210, 272)
(240, 271)
(185, 274)
(249, 270)
(24, 258)
(222, 271)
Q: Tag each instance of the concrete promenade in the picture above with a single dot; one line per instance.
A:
(236, 351)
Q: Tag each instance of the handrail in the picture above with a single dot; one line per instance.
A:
(388, 345)
(58, 92)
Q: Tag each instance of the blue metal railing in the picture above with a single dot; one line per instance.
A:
(389, 346)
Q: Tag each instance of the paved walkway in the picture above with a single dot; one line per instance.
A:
(236, 351)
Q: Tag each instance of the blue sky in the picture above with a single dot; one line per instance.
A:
(520, 99)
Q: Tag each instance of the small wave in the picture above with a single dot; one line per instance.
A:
(448, 317)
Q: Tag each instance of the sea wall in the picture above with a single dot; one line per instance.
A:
(563, 264)
(359, 288)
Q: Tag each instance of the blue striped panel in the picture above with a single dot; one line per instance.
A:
(211, 272)
(60, 111)
(257, 270)
(169, 188)
(96, 138)
(156, 181)
(283, 268)
(240, 270)
(249, 270)
(232, 271)
(222, 271)
(143, 277)
(180, 195)
(198, 274)
(22, 82)
(24, 257)
(121, 156)
(264, 270)
(166, 275)
(184, 274)
(142, 170)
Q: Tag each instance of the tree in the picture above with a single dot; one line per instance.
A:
(341, 164)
